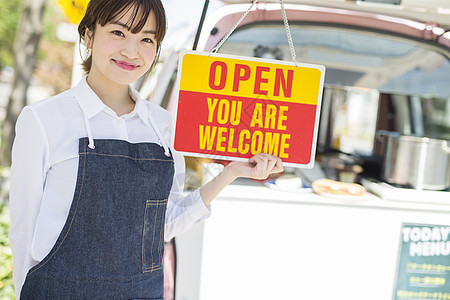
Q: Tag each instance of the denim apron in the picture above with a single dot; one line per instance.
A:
(112, 244)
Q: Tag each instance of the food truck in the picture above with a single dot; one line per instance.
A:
(384, 126)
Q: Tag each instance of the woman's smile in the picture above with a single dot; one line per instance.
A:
(125, 65)
(120, 56)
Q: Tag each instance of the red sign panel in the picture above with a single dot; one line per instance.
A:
(233, 107)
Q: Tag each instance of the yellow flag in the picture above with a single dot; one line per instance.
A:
(73, 9)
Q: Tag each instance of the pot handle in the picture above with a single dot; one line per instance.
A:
(445, 147)
(382, 134)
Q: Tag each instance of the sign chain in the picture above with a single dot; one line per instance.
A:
(288, 33)
(215, 49)
(286, 26)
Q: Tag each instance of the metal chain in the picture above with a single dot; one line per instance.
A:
(288, 33)
(286, 26)
(215, 49)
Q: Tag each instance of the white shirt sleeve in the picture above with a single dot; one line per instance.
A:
(29, 166)
(183, 210)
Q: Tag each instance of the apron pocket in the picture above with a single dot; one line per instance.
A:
(153, 235)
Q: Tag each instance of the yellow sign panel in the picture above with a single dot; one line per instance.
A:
(247, 78)
(73, 9)
(233, 107)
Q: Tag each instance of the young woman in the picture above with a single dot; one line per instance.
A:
(95, 187)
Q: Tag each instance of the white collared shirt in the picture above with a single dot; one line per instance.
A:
(45, 163)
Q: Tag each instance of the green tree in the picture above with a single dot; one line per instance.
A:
(26, 43)
(9, 19)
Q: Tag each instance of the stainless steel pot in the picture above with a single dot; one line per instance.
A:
(420, 162)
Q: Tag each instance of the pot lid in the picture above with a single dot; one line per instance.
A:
(412, 138)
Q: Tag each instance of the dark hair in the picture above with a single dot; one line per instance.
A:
(106, 11)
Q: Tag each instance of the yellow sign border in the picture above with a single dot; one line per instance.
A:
(318, 101)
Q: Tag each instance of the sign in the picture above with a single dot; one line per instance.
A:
(232, 107)
(423, 268)
(73, 9)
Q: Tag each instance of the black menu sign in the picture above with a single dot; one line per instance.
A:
(423, 267)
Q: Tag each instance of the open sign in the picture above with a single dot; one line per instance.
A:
(232, 107)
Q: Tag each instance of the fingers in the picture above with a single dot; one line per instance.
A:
(278, 166)
(261, 168)
(265, 165)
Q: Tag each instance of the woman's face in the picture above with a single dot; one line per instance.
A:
(119, 56)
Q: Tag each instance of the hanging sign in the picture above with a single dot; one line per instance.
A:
(232, 107)
(423, 267)
(73, 9)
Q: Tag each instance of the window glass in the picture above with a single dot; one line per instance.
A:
(353, 58)
(414, 75)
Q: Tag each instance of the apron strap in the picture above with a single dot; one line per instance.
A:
(152, 122)
(158, 133)
(89, 132)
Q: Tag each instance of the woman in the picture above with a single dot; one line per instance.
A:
(95, 188)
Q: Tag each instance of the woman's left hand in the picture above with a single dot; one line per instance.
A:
(259, 166)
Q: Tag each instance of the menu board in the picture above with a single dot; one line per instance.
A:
(423, 267)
